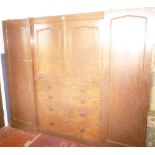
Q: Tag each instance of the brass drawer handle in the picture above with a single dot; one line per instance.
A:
(39, 77)
(82, 114)
(49, 87)
(82, 130)
(51, 123)
(51, 109)
(50, 97)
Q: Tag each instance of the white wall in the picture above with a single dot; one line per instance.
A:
(13, 9)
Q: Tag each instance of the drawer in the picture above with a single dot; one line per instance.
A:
(90, 103)
(91, 91)
(66, 127)
(90, 132)
(75, 102)
(86, 78)
(83, 115)
(57, 76)
(76, 90)
(72, 111)
(48, 90)
(49, 96)
(53, 124)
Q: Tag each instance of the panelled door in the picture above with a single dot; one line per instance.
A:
(19, 70)
(129, 77)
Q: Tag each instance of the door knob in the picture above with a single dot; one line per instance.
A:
(82, 130)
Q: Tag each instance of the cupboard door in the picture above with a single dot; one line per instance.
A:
(126, 80)
(19, 63)
(49, 50)
(85, 51)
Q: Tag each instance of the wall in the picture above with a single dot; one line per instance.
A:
(152, 98)
(33, 8)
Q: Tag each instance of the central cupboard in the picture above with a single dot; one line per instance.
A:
(69, 76)
(87, 76)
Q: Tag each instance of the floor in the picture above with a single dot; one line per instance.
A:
(11, 137)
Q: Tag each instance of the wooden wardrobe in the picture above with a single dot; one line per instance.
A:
(85, 77)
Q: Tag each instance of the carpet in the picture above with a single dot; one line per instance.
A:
(10, 137)
(52, 141)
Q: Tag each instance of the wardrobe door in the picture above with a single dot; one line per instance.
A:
(129, 77)
(19, 73)
(87, 73)
(48, 41)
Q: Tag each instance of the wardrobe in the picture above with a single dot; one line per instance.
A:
(84, 77)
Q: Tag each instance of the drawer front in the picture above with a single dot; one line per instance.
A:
(85, 78)
(76, 90)
(48, 89)
(70, 109)
(58, 76)
(70, 128)
(74, 102)
(84, 102)
(73, 111)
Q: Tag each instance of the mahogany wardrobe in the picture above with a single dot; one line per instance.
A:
(85, 77)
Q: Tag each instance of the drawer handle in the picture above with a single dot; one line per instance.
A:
(49, 87)
(50, 97)
(82, 130)
(51, 109)
(51, 123)
(82, 101)
(82, 114)
(39, 77)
